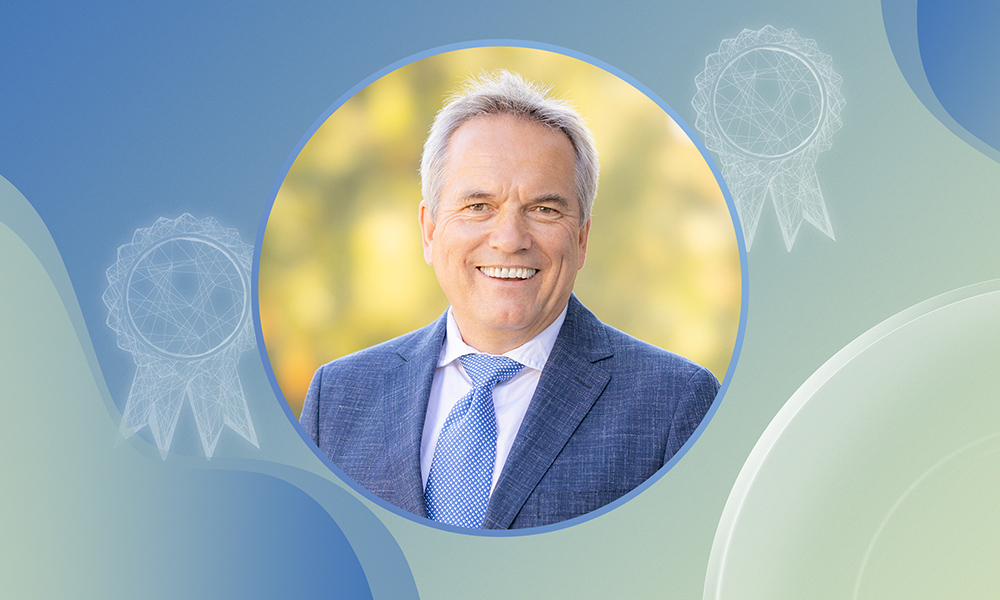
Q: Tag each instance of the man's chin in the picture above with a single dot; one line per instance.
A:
(514, 322)
(504, 322)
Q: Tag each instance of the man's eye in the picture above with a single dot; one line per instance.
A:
(545, 210)
(478, 207)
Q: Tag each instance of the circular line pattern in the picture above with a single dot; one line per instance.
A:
(768, 102)
(186, 297)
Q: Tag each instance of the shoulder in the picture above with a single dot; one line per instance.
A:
(344, 392)
(366, 370)
(670, 393)
(658, 372)
(652, 400)
(645, 358)
(376, 360)
(642, 362)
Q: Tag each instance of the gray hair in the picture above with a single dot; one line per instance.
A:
(503, 92)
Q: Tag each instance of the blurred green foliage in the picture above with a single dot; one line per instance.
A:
(341, 261)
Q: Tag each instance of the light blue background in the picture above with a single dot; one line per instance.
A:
(113, 115)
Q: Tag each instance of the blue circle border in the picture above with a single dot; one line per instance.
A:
(744, 299)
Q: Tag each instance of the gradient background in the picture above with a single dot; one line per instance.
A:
(854, 454)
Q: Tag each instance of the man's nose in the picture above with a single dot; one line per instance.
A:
(510, 232)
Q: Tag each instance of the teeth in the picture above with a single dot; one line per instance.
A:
(506, 273)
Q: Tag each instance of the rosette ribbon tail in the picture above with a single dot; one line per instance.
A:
(217, 399)
(155, 400)
(748, 183)
(796, 195)
(793, 187)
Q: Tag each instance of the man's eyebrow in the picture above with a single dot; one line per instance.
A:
(475, 194)
(558, 199)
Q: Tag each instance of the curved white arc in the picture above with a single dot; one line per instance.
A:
(903, 497)
(787, 413)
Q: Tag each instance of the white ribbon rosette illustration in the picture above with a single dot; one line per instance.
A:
(768, 103)
(179, 299)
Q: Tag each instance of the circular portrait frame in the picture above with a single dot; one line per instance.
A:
(339, 265)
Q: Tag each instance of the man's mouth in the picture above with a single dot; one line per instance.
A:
(508, 273)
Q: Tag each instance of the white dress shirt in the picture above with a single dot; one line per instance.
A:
(510, 398)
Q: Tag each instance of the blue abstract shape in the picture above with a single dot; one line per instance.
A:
(245, 535)
(382, 559)
(960, 51)
(947, 53)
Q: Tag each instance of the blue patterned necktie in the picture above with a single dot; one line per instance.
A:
(458, 486)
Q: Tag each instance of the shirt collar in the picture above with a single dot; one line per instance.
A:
(531, 354)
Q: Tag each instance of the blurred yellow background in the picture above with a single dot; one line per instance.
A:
(341, 261)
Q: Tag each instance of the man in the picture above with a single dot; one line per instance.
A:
(517, 407)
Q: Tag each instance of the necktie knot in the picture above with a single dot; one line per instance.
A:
(487, 370)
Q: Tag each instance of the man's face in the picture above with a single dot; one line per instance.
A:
(507, 242)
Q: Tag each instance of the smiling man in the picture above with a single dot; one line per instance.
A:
(518, 407)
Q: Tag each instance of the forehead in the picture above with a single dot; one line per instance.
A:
(510, 143)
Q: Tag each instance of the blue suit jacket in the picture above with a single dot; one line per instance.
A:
(608, 412)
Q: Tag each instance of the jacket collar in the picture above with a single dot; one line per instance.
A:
(407, 388)
(569, 385)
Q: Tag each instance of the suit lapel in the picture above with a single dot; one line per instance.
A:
(569, 386)
(407, 389)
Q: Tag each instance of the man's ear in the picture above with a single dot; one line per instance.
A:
(584, 235)
(426, 232)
